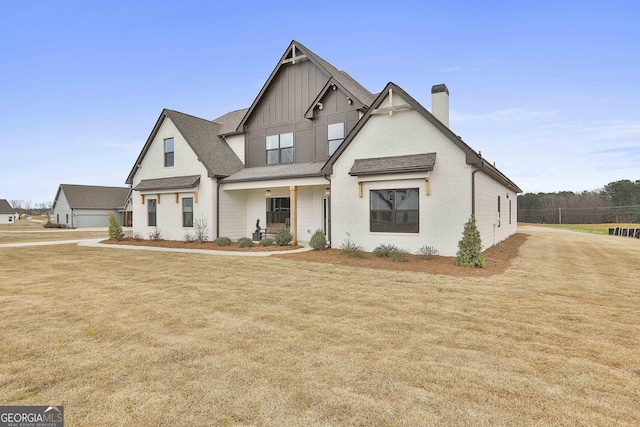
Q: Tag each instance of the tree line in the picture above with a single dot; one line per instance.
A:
(27, 207)
(617, 202)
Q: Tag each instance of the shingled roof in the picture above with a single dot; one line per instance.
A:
(202, 136)
(93, 197)
(5, 207)
(384, 165)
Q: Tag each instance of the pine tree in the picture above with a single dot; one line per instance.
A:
(470, 246)
(115, 231)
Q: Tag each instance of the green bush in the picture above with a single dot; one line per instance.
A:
(384, 250)
(283, 236)
(245, 242)
(399, 255)
(115, 231)
(223, 241)
(318, 241)
(427, 252)
(470, 246)
(350, 249)
(267, 241)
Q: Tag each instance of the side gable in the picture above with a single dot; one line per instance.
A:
(92, 197)
(5, 207)
(202, 136)
(378, 107)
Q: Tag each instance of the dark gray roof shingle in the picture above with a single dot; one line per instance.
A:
(230, 121)
(5, 207)
(173, 183)
(202, 136)
(94, 197)
(395, 164)
(295, 170)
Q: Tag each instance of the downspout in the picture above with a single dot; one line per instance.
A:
(329, 210)
(217, 208)
(473, 189)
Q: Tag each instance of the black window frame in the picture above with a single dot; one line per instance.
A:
(152, 214)
(334, 140)
(187, 217)
(278, 210)
(499, 211)
(377, 221)
(169, 156)
(279, 150)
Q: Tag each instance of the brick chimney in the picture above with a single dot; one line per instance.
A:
(440, 103)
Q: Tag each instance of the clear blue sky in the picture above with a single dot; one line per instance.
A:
(549, 90)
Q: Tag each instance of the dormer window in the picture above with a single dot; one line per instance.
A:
(280, 148)
(168, 152)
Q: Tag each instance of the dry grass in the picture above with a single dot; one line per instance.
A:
(149, 338)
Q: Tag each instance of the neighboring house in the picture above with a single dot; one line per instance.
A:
(7, 213)
(320, 151)
(79, 206)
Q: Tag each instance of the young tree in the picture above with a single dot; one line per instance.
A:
(470, 246)
(115, 230)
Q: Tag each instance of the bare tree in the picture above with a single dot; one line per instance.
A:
(16, 204)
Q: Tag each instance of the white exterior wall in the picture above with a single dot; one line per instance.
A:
(62, 209)
(487, 192)
(240, 208)
(169, 213)
(236, 143)
(442, 213)
(6, 218)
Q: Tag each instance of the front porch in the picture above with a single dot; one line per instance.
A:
(303, 203)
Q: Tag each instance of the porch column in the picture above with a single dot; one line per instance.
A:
(293, 193)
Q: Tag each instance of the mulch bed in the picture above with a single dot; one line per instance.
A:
(497, 258)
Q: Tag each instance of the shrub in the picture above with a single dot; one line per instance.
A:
(137, 236)
(201, 230)
(427, 252)
(283, 236)
(350, 249)
(267, 241)
(470, 246)
(223, 241)
(188, 238)
(384, 250)
(318, 241)
(115, 231)
(245, 242)
(156, 234)
(399, 255)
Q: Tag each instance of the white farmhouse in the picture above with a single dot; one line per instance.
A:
(7, 213)
(319, 151)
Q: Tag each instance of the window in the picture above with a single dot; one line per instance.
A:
(395, 211)
(278, 210)
(335, 136)
(151, 210)
(168, 152)
(498, 211)
(280, 148)
(67, 218)
(187, 212)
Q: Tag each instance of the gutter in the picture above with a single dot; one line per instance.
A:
(473, 188)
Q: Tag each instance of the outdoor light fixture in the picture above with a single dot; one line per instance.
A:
(320, 106)
(327, 191)
(267, 193)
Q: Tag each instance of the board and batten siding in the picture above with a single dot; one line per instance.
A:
(282, 109)
(169, 213)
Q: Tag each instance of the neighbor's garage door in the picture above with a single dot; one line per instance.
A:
(91, 220)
